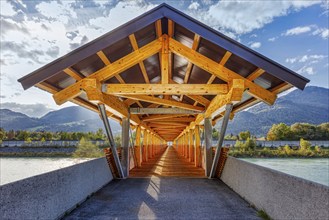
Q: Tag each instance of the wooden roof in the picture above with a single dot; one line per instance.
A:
(164, 58)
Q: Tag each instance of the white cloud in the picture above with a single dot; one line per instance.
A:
(306, 69)
(315, 58)
(194, 6)
(243, 16)
(6, 9)
(272, 39)
(255, 45)
(297, 30)
(322, 32)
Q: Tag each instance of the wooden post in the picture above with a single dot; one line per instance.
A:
(146, 141)
(197, 146)
(138, 150)
(191, 150)
(125, 147)
(207, 149)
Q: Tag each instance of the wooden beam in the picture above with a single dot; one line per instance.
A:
(165, 60)
(168, 89)
(159, 117)
(180, 119)
(103, 57)
(171, 28)
(220, 71)
(158, 28)
(159, 101)
(234, 95)
(200, 99)
(73, 73)
(128, 61)
(134, 44)
(111, 70)
(168, 111)
(254, 75)
(168, 123)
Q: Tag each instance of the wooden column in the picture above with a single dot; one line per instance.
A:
(197, 146)
(138, 150)
(187, 145)
(191, 150)
(146, 142)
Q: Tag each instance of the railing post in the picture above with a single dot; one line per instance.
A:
(125, 146)
(228, 110)
(109, 134)
(208, 142)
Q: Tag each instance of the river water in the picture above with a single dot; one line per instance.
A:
(13, 169)
(316, 170)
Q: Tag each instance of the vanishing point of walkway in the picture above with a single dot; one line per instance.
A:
(167, 187)
(168, 164)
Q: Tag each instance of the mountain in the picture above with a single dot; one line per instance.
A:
(73, 118)
(308, 106)
(15, 120)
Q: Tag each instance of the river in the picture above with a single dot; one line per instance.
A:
(316, 170)
(13, 169)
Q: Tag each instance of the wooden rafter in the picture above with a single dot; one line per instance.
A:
(159, 101)
(134, 44)
(220, 71)
(168, 89)
(73, 73)
(160, 117)
(110, 70)
(188, 71)
(254, 75)
(165, 60)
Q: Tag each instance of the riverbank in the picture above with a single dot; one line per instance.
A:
(280, 153)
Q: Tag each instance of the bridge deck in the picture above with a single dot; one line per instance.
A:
(168, 164)
(167, 187)
(164, 198)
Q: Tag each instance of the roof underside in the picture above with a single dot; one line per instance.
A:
(162, 47)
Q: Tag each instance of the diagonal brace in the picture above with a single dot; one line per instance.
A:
(228, 110)
(109, 134)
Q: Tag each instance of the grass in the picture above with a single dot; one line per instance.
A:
(262, 214)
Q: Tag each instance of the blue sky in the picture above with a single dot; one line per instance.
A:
(33, 33)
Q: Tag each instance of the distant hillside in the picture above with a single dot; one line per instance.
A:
(73, 118)
(309, 106)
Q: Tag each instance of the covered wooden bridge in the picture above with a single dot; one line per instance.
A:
(169, 77)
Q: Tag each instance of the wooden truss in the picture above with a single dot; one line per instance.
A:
(167, 93)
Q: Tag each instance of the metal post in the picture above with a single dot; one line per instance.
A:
(125, 147)
(228, 110)
(109, 134)
(208, 142)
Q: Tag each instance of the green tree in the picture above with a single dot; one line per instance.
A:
(244, 135)
(215, 133)
(250, 144)
(3, 134)
(279, 132)
(87, 149)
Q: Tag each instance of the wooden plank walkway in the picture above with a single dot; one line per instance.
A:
(168, 164)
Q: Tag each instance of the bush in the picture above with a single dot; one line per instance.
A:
(304, 145)
(287, 150)
(250, 144)
(87, 149)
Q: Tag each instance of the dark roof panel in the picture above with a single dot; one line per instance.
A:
(89, 65)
